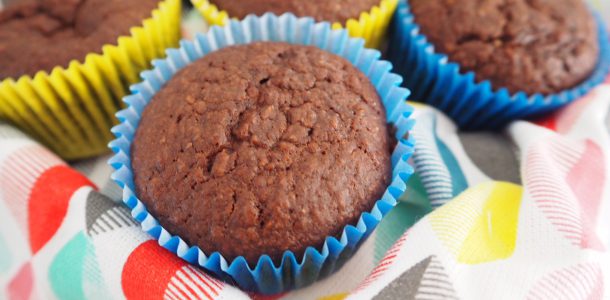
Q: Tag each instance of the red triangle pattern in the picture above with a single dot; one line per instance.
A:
(18, 174)
(565, 178)
(586, 179)
(21, 286)
(48, 202)
(148, 271)
(583, 281)
(152, 272)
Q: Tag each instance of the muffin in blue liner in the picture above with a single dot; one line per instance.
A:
(292, 272)
(433, 79)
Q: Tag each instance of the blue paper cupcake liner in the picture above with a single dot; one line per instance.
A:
(433, 79)
(293, 272)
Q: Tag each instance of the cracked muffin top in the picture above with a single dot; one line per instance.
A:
(261, 148)
(321, 10)
(536, 46)
(38, 35)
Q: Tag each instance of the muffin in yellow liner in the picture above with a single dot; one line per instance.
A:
(371, 26)
(72, 109)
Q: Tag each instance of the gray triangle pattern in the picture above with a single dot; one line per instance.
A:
(426, 280)
(104, 215)
(493, 154)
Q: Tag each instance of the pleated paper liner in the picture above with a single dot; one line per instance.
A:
(371, 25)
(72, 109)
(473, 105)
(292, 272)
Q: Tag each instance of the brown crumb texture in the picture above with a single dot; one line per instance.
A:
(321, 10)
(536, 46)
(262, 148)
(40, 35)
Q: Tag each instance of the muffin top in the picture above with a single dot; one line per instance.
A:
(42, 34)
(261, 148)
(321, 10)
(536, 46)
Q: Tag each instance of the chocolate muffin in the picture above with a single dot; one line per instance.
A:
(42, 34)
(262, 148)
(536, 46)
(332, 11)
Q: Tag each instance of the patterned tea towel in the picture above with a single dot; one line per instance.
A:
(515, 215)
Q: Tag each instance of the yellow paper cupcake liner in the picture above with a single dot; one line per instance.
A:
(71, 110)
(371, 26)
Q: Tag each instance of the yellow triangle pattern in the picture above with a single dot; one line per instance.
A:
(480, 225)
